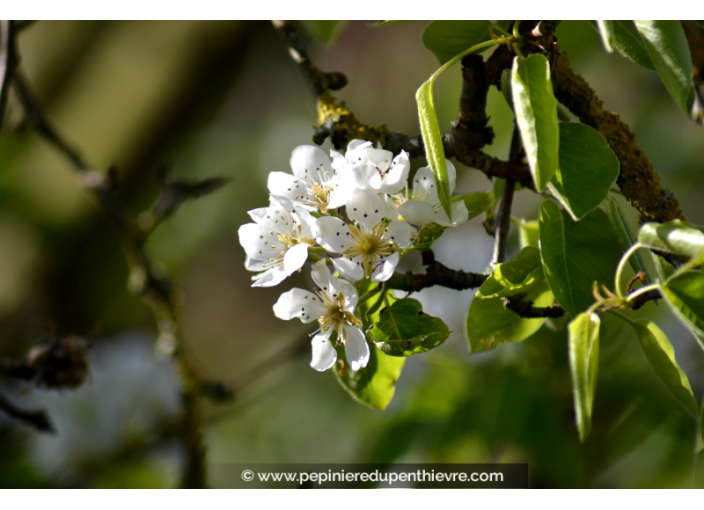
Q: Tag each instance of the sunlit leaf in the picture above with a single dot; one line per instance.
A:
(685, 294)
(583, 335)
(490, 324)
(661, 355)
(536, 115)
(404, 329)
(516, 276)
(476, 202)
(606, 31)
(528, 232)
(677, 237)
(667, 46)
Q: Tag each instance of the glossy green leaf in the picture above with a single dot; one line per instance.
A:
(528, 232)
(516, 276)
(428, 235)
(432, 140)
(583, 337)
(375, 384)
(449, 38)
(576, 254)
(322, 30)
(664, 268)
(661, 355)
(476, 202)
(606, 31)
(535, 107)
(489, 324)
(677, 237)
(623, 231)
(588, 169)
(404, 329)
(628, 43)
(685, 295)
(668, 49)
(388, 23)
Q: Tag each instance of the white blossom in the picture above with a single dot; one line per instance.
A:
(369, 246)
(422, 206)
(333, 306)
(315, 184)
(277, 243)
(366, 167)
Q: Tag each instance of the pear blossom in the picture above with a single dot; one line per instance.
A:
(372, 168)
(314, 185)
(369, 245)
(333, 306)
(277, 243)
(422, 205)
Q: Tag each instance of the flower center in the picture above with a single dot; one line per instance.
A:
(336, 316)
(372, 247)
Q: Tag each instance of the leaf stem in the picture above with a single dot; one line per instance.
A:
(620, 268)
(642, 290)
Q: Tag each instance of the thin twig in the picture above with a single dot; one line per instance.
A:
(436, 274)
(37, 419)
(503, 217)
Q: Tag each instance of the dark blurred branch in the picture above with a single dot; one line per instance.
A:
(37, 419)
(8, 62)
(526, 309)
(435, 274)
(145, 279)
(503, 217)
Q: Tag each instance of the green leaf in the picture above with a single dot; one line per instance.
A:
(606, 31)
(588, 169)
(677, 237)
(629, 44)
(668, 49)
(506, 87)
(685, 295)
(476, 202)
(528, 233)
(375, 384)
(583, 334)
(403, 329)
(576, 254)
(448, 38)
(661, 355)
(623, 231)
(664, 268)
(321, 29)
(432, 140)
(428, 235)
(489, 324)
(536, 115)
(516, 276)
(388, 23)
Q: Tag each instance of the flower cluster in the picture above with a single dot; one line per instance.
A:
(355, 213)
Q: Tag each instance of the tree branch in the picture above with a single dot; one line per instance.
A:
(37, 419)
(8, 62)
(436, 274)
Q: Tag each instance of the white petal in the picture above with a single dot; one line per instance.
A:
(254, 264)
(324, 354)
(321, 274)
(380, 158)
(417, 212)
(424, 185)
(270, 278)
(285, 185)
(356, 348)
(401, 233)
(366, 177)
(395, 179)
(391, 208)
(350, 293)
(295, 257)
(341, 192)
(249, 234)
(459, 215)
(333, 234)
(451, 175)
(301, 304)
(385, 269)
(366, 208)
(355, 150)
(310, 163)
(349, 269)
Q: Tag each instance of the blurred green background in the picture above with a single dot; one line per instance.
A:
(224, 98)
